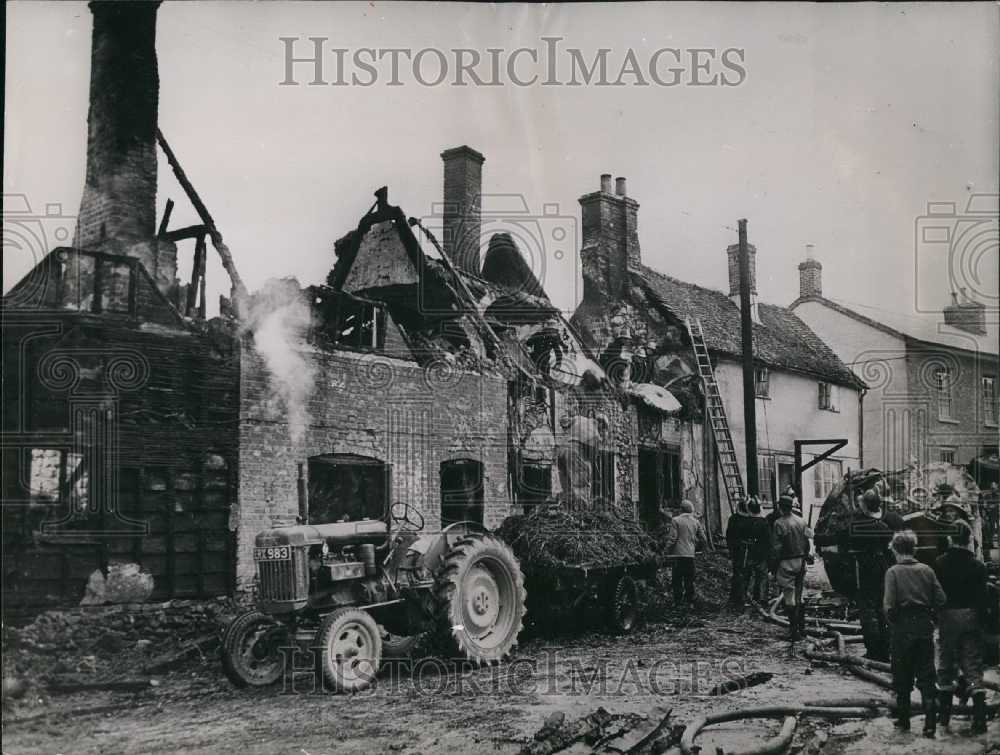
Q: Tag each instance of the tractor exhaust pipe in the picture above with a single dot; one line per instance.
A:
(303, 496)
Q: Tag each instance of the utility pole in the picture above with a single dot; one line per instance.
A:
(749, 387)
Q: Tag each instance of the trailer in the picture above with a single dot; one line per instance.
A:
(610, 596)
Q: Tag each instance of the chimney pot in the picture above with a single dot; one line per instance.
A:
(606, 183)
(620, 186)
(810, 251)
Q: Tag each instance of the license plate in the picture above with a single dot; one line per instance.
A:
(277, 553)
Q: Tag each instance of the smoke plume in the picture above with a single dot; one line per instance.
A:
(278, 317)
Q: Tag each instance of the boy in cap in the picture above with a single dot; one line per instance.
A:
(789, 549)
(912, 597)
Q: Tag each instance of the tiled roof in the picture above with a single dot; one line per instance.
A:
(926, 327)
(781, 339)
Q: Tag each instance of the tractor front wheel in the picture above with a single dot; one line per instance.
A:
(253, 650)
(349, 649)
(481, 595)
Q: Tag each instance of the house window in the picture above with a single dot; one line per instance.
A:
(826, 475)
(826, 397)
(461, 491)
(942, 389)
(354, 323)
(946, 455)
(762, 382)
(990, 400)
(347, 487)
(532, 484)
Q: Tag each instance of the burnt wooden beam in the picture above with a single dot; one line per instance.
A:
(167, 211)
(187, 232)
(196, 274)
(239, 289)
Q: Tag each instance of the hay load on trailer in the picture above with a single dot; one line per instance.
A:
(579, 559)
(926, 499)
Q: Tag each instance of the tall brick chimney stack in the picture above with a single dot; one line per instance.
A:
(733, 253)
(118, 208)
(810, 274)
(610, 237)
(463, 188)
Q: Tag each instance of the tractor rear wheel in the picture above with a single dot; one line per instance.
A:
(481, 595)
(349, 649)
(253, 650)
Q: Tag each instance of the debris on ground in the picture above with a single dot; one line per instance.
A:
(102, 647)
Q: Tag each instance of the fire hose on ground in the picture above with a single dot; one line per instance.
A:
(863, 668)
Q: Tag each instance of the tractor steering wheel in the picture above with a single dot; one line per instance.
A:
(400, 514)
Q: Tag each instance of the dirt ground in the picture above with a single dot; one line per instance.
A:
(427, 708)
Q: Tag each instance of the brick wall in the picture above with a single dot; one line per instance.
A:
(376, 406)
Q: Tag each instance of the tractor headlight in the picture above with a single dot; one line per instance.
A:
(326, 548)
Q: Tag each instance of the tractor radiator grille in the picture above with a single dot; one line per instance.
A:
(282, 580)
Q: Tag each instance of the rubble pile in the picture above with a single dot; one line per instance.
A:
(712, 576)
(552, 537)
(102, 643)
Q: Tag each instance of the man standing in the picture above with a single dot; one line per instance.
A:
(758, 547)
(686, 536)
(868, 542)
(736, 537)
(912, 596)
(963, 578)
(789, 549)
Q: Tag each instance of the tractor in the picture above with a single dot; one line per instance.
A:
(352, 591)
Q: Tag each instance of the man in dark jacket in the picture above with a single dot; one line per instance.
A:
(963, 578)
(758, 547)
(868, 542)
(736, 535)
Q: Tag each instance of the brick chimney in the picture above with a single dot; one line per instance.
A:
(463, 188)
(965, 313)
(810, 274)
(610, 242)
(118, 208)
(733, 254)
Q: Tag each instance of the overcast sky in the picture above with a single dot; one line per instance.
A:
(849, 120)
